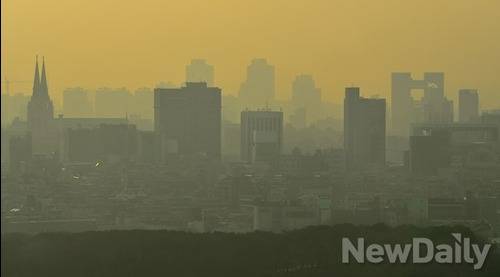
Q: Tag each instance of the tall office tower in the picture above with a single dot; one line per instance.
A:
(188, 120)
(112, 102)
(405, 109)
(453, 145)
(259, 88)
(492, 117)
(76, 103)
(41, 114)
(15, 107)
(306, 96)
(468, 105)
(231, 139)
(103, 142)
(364, 130)
(261, 135)
(200, 71)
(142, 104)
(18, 151)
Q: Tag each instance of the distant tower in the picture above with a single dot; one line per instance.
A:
(306, 98)
(40, 112)
(200, 71)
(259, 87)
(188, 121)
(261, 135)
(364, 131)
(434, 107)
(468, 105)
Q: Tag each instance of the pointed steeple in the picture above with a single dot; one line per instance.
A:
(44, 90)
(36, 79)
(40, 108)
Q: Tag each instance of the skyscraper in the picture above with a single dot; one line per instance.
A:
(435, 146)
(106, 142)
(76, 103)
(188, 120)
(364, 130)
(468, 105)
(306, 96)
(112, 102)
(143, 103)
(41, 114)
(261, 135)
(259, 87)
(14, 106)
(200, 71)
(405, 109)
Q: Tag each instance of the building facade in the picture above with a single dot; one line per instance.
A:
(468, 105)
(259, 88)
(433, 107)
(187, 120)
(364, 130)
(199, 71)
(76, 103)
(261, 135)
(306, 97)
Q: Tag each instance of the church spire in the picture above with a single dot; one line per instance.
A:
(43, 83)
(36, 79)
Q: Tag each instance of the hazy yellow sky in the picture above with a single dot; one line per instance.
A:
(93, 43)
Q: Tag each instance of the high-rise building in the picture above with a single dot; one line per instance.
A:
(112, 102)
(492, 117)
(187, 120)
(261, 135)
(259, 88)
(306, 96)
(468, 105)
(364, 130)
(231, 140)
(67, 126)
(76, 103)
(471, 146)
(14, 106)
(433, 107)
(19, 152)
(429, 153)
(143, 103)
(104, 142)
(40, 115)
(199, 71)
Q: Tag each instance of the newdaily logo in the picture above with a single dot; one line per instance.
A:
(422, 251)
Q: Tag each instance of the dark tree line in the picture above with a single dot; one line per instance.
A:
(314, 251)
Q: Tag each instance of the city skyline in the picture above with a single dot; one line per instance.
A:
(362, 52)
(250, 138)
(12, 88)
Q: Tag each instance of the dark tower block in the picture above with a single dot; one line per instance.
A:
(433, 107)
(468, 106)
(188, 121)
(364, 131)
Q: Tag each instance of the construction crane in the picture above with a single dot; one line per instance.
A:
(7, 83)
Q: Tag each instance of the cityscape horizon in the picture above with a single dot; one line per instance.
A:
(250, 138)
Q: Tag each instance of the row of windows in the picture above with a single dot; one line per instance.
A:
(264, 124)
